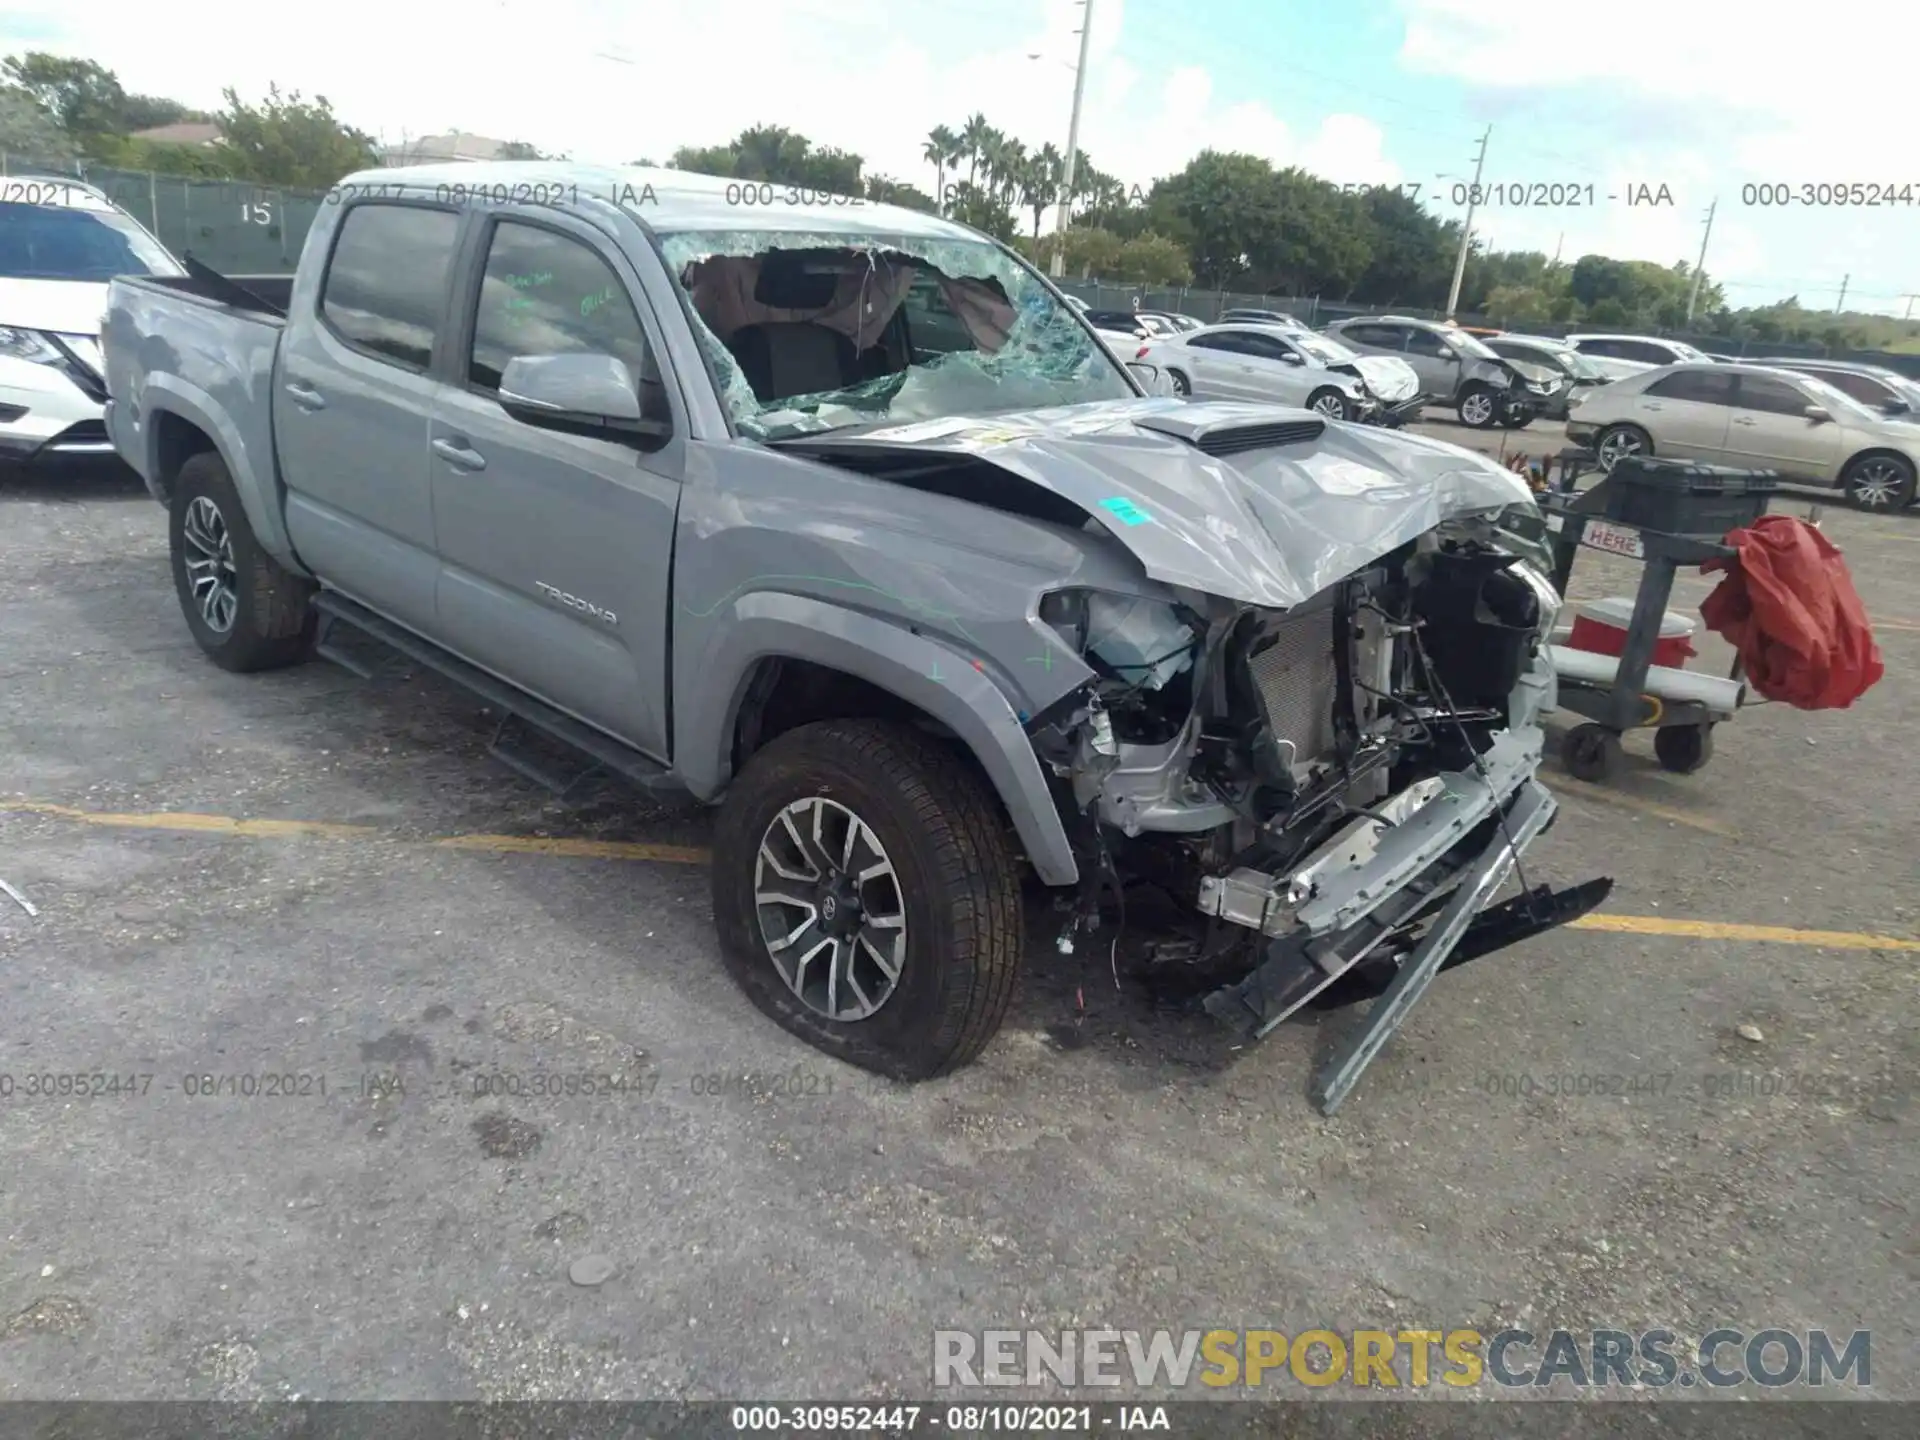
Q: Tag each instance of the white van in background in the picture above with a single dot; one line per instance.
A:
(61, 241)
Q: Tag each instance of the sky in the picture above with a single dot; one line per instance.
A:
(1690, 103)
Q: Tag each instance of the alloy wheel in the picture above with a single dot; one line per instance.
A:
(1876, 484)
(831, 912)
(1331, 406)
(209, 562)
(1616, 447)
(1477, 408)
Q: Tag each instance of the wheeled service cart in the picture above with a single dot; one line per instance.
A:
(1666, 514)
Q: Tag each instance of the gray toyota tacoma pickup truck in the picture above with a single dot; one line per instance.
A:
(837, 516)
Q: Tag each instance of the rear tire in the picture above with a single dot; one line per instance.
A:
(951, 880)
(1590, 752)
(246, 610)
(1617, 442)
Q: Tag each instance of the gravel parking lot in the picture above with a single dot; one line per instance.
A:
(325, 881)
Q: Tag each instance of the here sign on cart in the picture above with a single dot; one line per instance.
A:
(1614, 539)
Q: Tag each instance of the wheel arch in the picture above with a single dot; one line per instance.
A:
(782, 660)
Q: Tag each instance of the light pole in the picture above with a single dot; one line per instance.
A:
(1466, 230)
(1700, 265)
(1059, 266)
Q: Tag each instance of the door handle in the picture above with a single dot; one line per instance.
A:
(305, 396)
(1742, 420)
(1649, 405)
(458, 452)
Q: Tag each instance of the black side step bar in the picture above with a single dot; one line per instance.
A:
(604, 750)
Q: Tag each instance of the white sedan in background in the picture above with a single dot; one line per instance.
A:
(1284, 367)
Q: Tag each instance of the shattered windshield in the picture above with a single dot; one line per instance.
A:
(810, 332)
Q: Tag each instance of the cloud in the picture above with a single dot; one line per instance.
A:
(1711, 98)
(612, 82)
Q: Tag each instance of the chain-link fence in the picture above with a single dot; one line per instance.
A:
(235, 226)
(241, 228)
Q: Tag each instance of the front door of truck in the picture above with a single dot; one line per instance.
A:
(556, 548)
(352, 393)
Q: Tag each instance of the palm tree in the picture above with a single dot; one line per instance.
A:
(942, 147)
(1040, 184)
(1013, 168)
(972, 135)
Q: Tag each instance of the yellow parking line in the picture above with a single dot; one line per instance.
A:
(698, 855)
(1720, 930)
(578, 849)
(198, 824)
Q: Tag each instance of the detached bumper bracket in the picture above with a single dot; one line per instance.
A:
(1533, 807)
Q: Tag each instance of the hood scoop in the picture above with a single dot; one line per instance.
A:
(1220, 436)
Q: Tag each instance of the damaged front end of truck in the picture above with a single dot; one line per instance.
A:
(1301, 695)
(1340, 786)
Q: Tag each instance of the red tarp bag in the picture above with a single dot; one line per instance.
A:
(1789, 607)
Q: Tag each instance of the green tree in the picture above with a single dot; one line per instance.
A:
(1153, 260)
(776, 154)
(521, 150)
(286, 140)
(941, 150)
(976, 206)
(1227, 205)
(83, 96)
(29, 131)
(885, 191)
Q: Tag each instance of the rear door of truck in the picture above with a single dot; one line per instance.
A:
(556, 548)
(353, 392)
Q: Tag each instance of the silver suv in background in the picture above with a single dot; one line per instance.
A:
(1753, 416)
(1894, 395)
(1622, 355)
(1458, 369)
(1581, 373)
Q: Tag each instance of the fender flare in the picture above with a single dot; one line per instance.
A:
(167, 394)
(931, 676)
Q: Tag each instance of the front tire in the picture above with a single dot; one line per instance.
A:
(1182, 386)
(246, 610)
(1329, 403)
(1879, 482)
(1478, 407)
(866, 897)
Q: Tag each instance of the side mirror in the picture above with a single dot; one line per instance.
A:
(1897, 407)
(581, 393)
(1292, 357)
(1819, 414)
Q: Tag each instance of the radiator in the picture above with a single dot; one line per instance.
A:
(1293, 669)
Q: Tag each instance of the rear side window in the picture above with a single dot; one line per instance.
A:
(547, 294)
(1606, 349)
(1703, 387)
(387, 279)
(1381, 337)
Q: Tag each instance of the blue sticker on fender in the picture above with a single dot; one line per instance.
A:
(1125, 511)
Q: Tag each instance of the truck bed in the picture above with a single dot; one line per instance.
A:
(201, 349)
(276, 290)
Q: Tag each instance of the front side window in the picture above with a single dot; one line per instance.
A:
(1775, 397)
(548, 294)
(387, 278)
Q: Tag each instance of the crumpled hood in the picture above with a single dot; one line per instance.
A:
(1269, 526)
(1535, 374)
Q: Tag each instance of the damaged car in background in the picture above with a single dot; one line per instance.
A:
(889, 557)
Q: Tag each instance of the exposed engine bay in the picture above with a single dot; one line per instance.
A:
(1316, 781)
